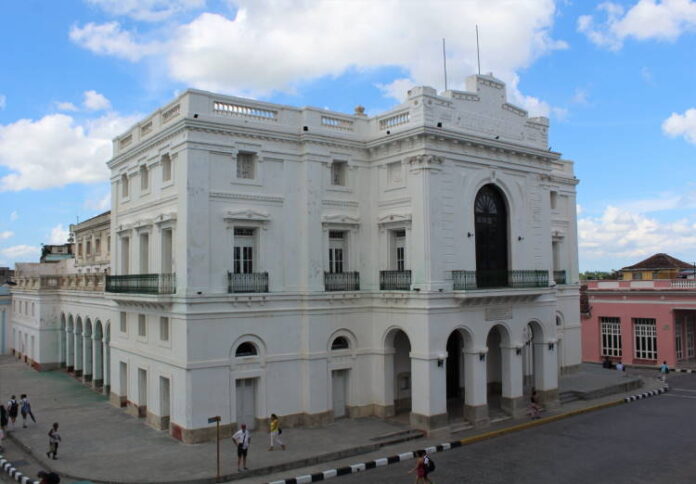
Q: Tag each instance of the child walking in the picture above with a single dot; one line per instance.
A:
(53, 440)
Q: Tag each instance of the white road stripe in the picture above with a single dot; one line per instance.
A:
(679, 396)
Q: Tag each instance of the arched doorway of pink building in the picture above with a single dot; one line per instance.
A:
(398, 366)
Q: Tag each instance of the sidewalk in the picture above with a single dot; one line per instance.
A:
(103, 444)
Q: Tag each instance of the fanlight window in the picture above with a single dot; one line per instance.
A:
(246, 349)
(340, 343)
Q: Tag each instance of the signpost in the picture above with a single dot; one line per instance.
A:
(217, 424)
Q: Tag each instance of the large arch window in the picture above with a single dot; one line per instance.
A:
(491, 220)
(340, 343)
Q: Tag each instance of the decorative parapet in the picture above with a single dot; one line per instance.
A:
(395, 120)
(71, 282)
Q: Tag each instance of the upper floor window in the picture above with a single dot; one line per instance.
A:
(164, 328)
(166, 168)
(144, 178)
(637, 276)
(88, 248)
(124, 186)
(124, 322)
(340, 343)
(398, 259)
(79, 249)
(142, 325)
(244, 248)
(336, 251)
(246, 166)
(338, 173)
(97, 246)
(554, 199)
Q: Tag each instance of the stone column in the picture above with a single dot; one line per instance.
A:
(87, 358)
(77, 341)
(384, 384)
(428, 393)
(69, 350)
(107, 368)
(546, 373)
(475, 387)
(513, 388)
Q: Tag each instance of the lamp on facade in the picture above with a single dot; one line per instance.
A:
(482, 356)
(520, 238)
(518, 350)
(551, 346)
(440, 360)
(469, 234)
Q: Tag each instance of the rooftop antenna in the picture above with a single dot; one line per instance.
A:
(478, 54)
(444, 61)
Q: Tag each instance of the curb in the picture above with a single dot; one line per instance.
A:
(394, 459)
(682, 370)
(7, 466)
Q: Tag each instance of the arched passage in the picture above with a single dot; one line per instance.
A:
(70, 344)
(497, 371)
(456, 372)
(107, 358)
(533, 335)
(78, 346)
(98, 346)
(87, 351)
(398, 370)
(491, 227)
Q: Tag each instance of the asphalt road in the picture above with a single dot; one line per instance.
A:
(649, 441)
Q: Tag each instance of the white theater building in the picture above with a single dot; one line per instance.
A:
(269, 259)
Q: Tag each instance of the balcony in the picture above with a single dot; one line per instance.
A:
(251, 282)
(341, 281)
(473, 280)
(395, 280)
(559, 277)
(142, 284)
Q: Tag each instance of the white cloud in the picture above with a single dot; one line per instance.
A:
(59, 235)
(147, 10)
(56, 150)
(274, 46)
(20, 251)
(580, 96)
(681, 125)
(646, 20)
(6, 235)
(620, 234)
(95, 101)
(102, 204)
(109, 39)
(14, 215)
(66, 106)
(3, 101)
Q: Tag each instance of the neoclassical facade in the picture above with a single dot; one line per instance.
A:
(317, 265)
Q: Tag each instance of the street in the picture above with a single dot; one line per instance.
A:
(649, 441)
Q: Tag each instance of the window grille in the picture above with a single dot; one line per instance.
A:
(245, 166)
(611, 336)
(645, 334)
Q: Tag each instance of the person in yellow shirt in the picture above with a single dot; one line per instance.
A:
(275, 433)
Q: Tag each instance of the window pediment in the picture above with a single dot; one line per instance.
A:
(340, 219)
(394, 218)
(247, 215)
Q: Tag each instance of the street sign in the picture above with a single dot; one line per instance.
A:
(213, 419)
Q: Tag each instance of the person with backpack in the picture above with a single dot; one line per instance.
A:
(429, 467)
(664, 369)
(421, 468)
(3, 424)
(12, 410)
(25, 409)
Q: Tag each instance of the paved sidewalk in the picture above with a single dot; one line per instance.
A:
(103, 444)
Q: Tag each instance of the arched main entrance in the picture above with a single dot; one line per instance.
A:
(491, 226)
(400, 368)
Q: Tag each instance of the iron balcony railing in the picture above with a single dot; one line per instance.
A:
(142, 284)
(559, 277)
(250, 282)
(395, 280)
(342, 281)
(468, 280)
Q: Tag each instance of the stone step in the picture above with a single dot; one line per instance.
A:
(567, 397)
(398, 436)
(460, 427)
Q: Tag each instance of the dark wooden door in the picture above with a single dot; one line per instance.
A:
(491, 238)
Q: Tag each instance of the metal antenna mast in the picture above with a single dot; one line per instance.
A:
(478, 55)
(444, 61)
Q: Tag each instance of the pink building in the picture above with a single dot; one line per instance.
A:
(640, 321)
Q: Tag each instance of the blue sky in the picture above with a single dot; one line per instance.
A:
(615, 78)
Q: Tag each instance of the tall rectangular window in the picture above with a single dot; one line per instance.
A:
(125, 255)
(124, 322)
(144, 253)
(678, 340)
(336, 251)
(142, 325)
(244, 247)
(166, 168)
(164, 328)
(167, 255)
(144, 178)
(611, 336)
(97, 246)
(398, 250)
(245, 165)
(338, 173)
(645, 334)
(124, 186)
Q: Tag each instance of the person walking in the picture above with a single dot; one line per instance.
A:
(275, 433)
(25, 409)
(12, 410)
(3, 424)
(420, 469)
(241, 439)
(664, 369)
(53, 441)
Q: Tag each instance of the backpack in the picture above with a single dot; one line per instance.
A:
(429, 464)
(13, 406)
